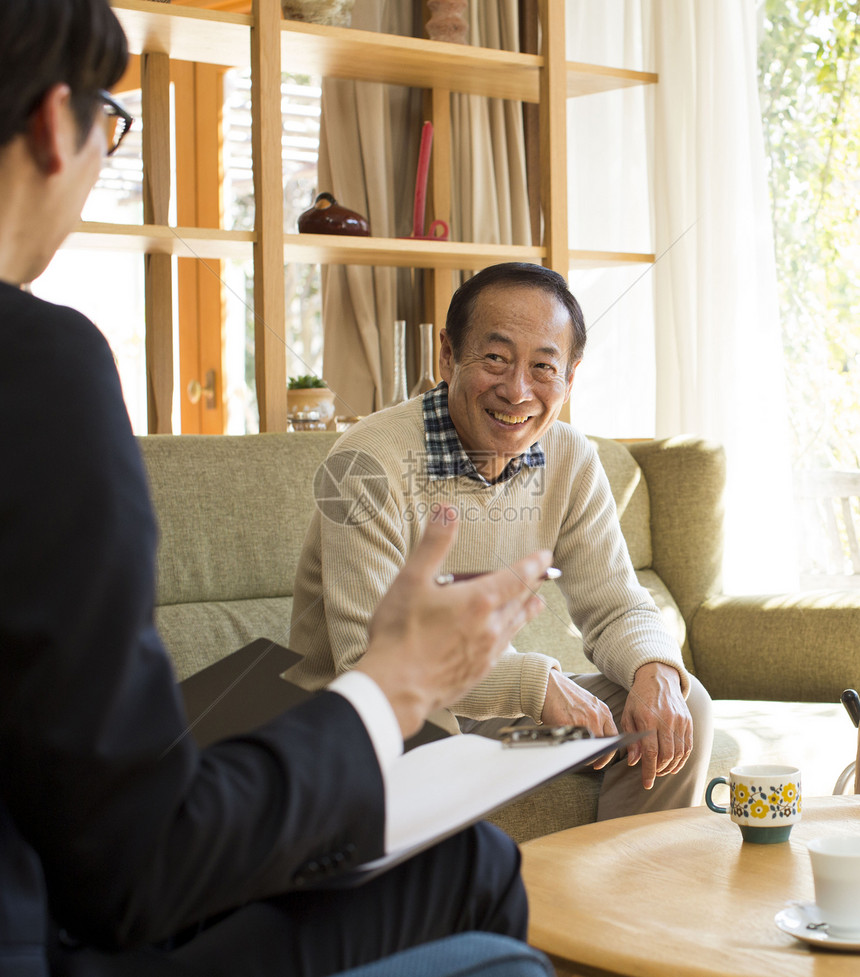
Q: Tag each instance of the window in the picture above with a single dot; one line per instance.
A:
(300, 102)
(114, 298)
(810, 97)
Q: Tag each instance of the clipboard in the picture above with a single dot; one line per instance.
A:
(246, 689)
(240, 692)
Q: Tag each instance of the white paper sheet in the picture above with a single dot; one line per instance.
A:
(438, 789)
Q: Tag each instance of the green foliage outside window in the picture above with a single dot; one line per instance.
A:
(809, 72)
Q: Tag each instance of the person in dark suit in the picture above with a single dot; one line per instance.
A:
(125, 849)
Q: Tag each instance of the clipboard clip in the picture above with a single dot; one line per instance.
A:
(517, 736)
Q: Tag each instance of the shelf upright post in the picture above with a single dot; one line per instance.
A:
(529, 43)
(158, 276)
(553, 127)
(440, 281)
(553, 142)
(269, 300)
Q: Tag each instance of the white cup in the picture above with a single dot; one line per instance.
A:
(836, 871)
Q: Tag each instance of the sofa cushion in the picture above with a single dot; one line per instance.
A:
(794, 647)
(196, 635)
(685, 477)
(565, 802)
(232, 512)
(552, 632)
(630, 491)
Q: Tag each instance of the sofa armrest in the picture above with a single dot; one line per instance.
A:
(686, 477)
(784, 647)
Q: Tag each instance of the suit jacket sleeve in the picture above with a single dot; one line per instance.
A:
(138, 832)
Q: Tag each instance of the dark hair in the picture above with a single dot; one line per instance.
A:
(512, 274)
(48, 42)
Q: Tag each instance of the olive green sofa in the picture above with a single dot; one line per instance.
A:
(233, 511)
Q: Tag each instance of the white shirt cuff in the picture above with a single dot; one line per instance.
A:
(375, 711)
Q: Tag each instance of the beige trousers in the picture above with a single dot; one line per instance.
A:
(622, 792)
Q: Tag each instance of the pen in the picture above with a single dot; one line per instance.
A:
(552, 573)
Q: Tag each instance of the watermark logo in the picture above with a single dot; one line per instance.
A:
(350, 487)
(415, 477)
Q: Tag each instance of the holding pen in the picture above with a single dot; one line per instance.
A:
(552, 573)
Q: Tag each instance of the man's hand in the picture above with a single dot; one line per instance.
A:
(428, 645)
(568, 704)
(655, 703)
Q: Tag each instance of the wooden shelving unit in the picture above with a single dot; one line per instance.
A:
(266, 42)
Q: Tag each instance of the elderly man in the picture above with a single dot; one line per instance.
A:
(489, 437)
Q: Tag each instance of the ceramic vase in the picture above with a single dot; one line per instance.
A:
(310, 408)
(327, 216)
(426, 380)
(398, 387)
(448, 21)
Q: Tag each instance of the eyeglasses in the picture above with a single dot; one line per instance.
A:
(117, 121)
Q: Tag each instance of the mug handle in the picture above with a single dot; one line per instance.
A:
(708, 791)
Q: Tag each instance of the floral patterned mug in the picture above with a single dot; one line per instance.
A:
(764, 801)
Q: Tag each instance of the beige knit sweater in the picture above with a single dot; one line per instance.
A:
(373, 500)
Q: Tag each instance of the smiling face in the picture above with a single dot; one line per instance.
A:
(512, 376)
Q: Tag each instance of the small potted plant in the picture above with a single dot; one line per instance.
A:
(310, 403)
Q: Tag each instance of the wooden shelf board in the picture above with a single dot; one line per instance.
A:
(185, 33)
(223, 38)
(340, 52)
(402, 252)
(183, 242)
(607, 259)
(214, 243)
(589, 79)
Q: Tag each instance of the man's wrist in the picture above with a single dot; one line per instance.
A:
(655, 669)
(409, 702)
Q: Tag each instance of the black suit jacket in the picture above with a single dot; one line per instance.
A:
(113, 825)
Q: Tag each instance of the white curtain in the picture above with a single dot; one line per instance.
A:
(489, 199)
(683, 168)
(609, 198)
(368, 154)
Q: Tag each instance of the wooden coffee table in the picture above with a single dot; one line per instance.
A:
(678, 894)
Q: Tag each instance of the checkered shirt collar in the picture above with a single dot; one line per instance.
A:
(445, 455)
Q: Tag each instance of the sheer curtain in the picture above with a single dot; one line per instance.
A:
(609, 200)
(713, 337)
(368, 155)
(488, 187)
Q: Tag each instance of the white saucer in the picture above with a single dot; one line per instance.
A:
(803, 921)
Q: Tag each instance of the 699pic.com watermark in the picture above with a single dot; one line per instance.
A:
(351, 488)
(496, 514)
